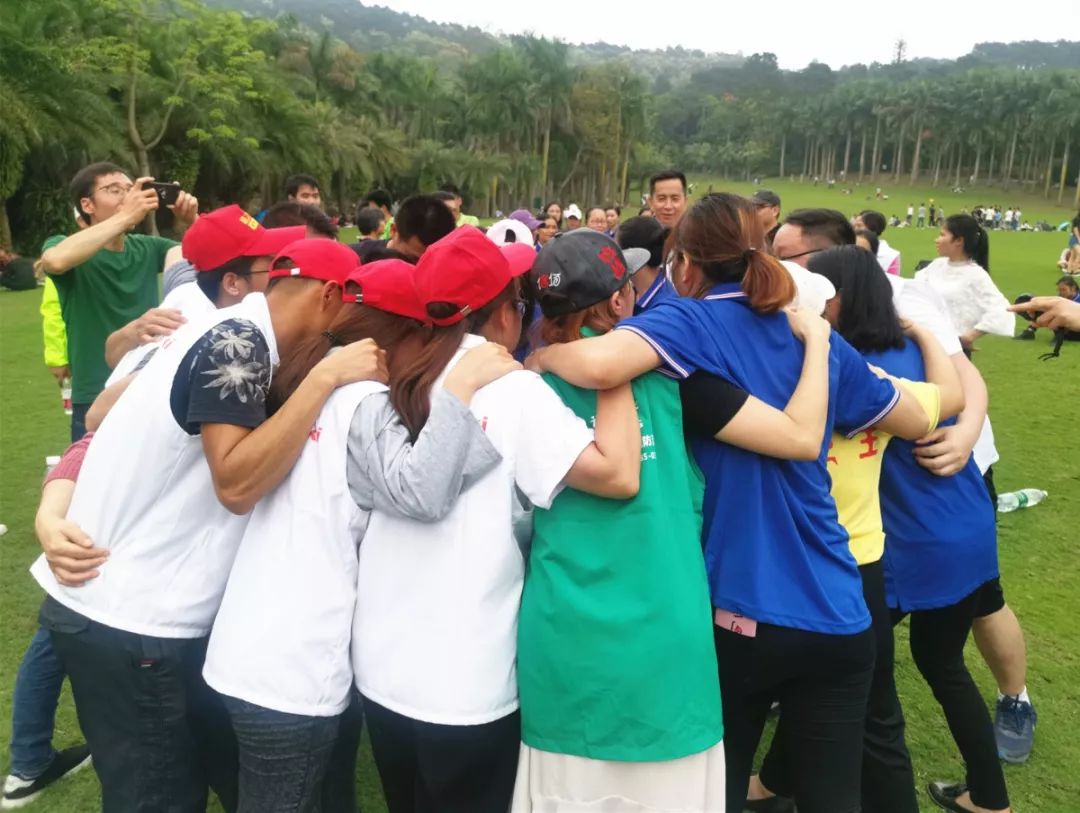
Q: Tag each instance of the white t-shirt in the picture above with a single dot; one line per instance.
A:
(187, 298)
(281, 638)
(887, 255)
(972, 299)
(435, 631)
(920, 303)
(145, 493)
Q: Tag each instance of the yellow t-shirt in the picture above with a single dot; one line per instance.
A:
(855, 468)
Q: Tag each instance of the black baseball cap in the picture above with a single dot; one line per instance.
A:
(577, 269)
(766, 197)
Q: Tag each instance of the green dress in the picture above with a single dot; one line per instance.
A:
(615, 640)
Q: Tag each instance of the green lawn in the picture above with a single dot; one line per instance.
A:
(1032, 404)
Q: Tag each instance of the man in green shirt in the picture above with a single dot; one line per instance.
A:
(106, 277)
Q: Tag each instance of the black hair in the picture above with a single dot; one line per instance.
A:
(368, 219)
(452, 188)
(647, 233)
(975, 239)
(209, 282)
(868, 318)
(295, 213)
(592, 209)
(445, 195)
(379, 198)
(1069, 280)
(871, 238)
(826, 223)
(294, 182)
(425, 217)
(646, 208)
(667, 175)
(82, 185)
(613, 206)
(874, 221)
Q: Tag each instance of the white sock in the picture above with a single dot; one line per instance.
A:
(1022, 697)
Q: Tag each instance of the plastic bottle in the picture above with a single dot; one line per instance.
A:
(1024, 498)
(65, 394)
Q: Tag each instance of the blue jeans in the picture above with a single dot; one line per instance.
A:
(292, 763)
(33, 707)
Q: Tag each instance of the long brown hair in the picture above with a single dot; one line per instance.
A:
(600, 318)
(416, 356)
(722, 235)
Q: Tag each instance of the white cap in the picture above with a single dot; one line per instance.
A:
(509, 231)
(812, 290)
(572, 211)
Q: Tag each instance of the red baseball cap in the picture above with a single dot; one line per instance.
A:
(326, 260)
(229, 232)
(388, 286)
(466, 269)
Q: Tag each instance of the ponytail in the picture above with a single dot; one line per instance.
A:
(767, 284)
(975, 240)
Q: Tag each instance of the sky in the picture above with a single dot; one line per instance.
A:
(797, 31)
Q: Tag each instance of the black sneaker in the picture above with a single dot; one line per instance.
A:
(1026, 334)
(20, 792)
(945, 795)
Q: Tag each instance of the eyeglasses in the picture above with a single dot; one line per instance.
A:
(801, 254)
(115, 188)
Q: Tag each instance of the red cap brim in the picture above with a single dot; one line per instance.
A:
(270, 242)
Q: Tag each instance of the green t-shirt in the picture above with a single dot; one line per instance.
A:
(102, 295)
(616, 659)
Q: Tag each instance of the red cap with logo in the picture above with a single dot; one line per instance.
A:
(229, 232)
(388, 286)
(466, 269)
(326, 260)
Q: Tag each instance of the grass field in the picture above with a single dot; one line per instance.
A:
(1031, 404)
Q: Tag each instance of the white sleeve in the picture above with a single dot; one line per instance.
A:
(993, 306)
(550, 439)
(923, 305)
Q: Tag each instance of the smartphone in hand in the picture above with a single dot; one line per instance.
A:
(167, 192)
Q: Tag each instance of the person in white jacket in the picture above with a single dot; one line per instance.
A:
(961, 274)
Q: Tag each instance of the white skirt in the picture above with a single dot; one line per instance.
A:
(560, 783)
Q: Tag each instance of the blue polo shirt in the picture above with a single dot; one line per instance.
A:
(940, 532)
(660, 290)
(774, 548)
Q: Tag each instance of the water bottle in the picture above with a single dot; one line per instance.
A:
(65, 394)
(1024, 498)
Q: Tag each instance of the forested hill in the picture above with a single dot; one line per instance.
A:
(377, 28)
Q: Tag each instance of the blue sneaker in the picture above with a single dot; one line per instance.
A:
(1014, 729)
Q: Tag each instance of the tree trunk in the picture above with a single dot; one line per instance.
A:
(918, 150)
(937, 166)
(978, 159)
(1064, 169)
(546, 193)
(899, 168)
(5, 226)
(1049, 166)
(877, 155)
(847, 153)
(959, 162)
(990, 166)
(1012, 152)
(862, 154)
(624, 190)
(783, 152)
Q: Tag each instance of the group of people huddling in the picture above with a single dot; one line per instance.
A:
(332, 495)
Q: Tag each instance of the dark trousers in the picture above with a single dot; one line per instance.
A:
(78, 421)
(822, 683)
(159, 735)
(937, 647)
(429, 768)
(888, 780)
(292, 763)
